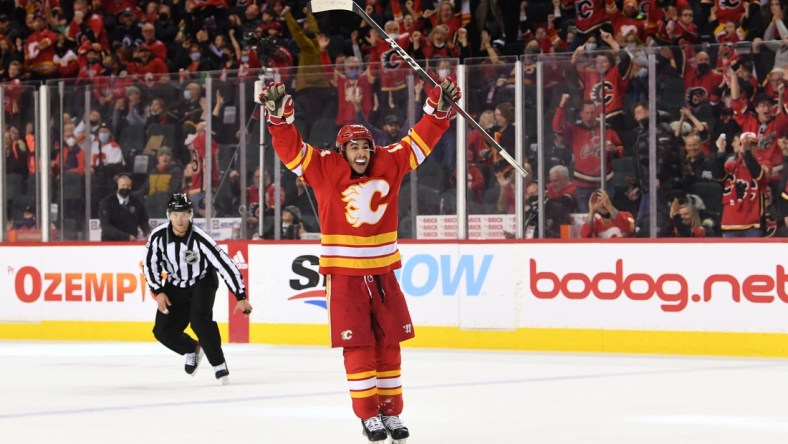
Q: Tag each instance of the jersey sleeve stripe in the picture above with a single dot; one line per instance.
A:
(425, 148)
(295, 162)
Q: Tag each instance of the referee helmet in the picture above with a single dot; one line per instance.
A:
(179, 202)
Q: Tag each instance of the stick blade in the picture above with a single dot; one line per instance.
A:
(331, 5)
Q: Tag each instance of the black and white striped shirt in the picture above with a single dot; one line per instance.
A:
(187, 260)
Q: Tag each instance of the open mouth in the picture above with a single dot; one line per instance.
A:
(360, 161)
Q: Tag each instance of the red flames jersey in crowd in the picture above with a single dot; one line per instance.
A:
(358, 215)
(615, 87)
(590, 15)
(621, 225)
(198, 163)
(768, 152)
(40, 59)
(346, 88)
(697, 87)
(388, 65)
(731, 10)
(742, 196)
(586, 148)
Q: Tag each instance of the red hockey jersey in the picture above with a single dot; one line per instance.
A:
(358, 215)
(742, 196)
(768, 151)
(621, 225)
(586, 149)
(590, 15)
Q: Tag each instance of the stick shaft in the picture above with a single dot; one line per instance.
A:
(324, 5)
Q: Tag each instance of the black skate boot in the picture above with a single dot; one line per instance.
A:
(374, 430)
(399, 433)
(193, 360)
(222, 373)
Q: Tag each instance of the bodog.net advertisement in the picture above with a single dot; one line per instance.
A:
(727, 287)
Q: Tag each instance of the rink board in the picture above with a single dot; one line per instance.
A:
(638, 297)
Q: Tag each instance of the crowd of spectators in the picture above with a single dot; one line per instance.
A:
(719, 67)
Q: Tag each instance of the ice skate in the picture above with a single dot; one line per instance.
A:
(374, 430)
(399, 433)
(222, 374)
(193, 360)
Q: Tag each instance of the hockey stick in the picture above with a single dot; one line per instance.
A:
(350, 5)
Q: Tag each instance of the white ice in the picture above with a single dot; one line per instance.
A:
(78, 392)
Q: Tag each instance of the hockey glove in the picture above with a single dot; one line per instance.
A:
(279, 107)
(439, 102)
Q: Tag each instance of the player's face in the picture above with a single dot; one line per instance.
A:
(358, 154)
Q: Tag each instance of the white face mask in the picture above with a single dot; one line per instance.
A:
(394, 35)
(71, 141)
(444, 72)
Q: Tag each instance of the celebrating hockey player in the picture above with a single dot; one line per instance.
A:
(357, 188)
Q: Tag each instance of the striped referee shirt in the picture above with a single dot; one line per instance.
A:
(188, 259)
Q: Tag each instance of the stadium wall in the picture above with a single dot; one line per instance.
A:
(709, 298)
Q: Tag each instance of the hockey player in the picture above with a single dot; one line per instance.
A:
(356, 189)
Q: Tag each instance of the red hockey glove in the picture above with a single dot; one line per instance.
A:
(279, 107)
(439, 102)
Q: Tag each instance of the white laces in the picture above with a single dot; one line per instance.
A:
(191, 358)
(392, 422)
(373, 424)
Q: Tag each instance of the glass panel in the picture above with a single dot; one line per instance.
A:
(22, 163)
(490, 93)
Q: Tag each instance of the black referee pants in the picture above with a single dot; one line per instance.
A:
(191, 305)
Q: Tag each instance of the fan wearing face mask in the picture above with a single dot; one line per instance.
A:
(122, 215)
(352, 81)
(72, 153)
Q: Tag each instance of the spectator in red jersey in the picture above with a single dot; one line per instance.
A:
(157, 48)
(628, 19)
(444, 15)
(605, 221)
(13, 94)
(590, 17)
(92, 68)
(73, 153)
(40, 51)
(353, 83)
(768, 128)
(438, 44)
(743, 187)
(87, 25)
(606, 75)
(702, 84)
(587, 150)
(196, 144)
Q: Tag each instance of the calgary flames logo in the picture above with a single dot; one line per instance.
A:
(359, 197)
(584, 9)
(391, 60)
(594, 95)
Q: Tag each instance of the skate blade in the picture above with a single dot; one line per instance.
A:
(224, 380)
(399, 441)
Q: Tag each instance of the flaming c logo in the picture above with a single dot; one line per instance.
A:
(359, 197)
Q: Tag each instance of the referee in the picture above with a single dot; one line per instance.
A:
(190, 258)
